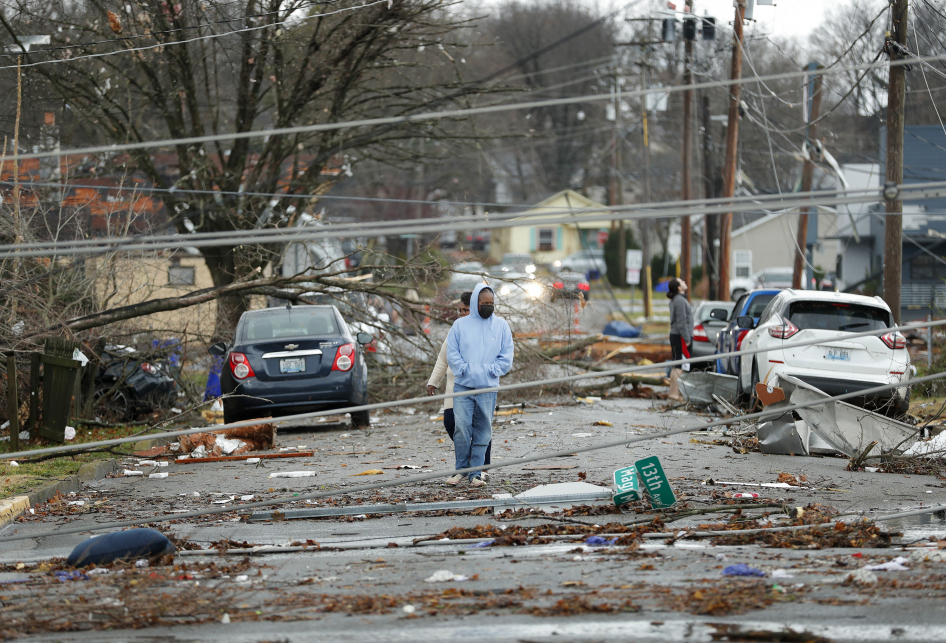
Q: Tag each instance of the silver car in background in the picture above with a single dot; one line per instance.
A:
(709, 317)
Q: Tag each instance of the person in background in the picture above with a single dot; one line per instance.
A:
(681, 329)
(479, 352)
(440, 369)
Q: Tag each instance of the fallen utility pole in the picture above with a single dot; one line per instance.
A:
(404, 507)
(732, 141)
(814, 97)
(896, 101)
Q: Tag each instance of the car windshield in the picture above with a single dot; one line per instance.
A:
(829, 315)
(295, 322)
(758, 304)
(704, 311)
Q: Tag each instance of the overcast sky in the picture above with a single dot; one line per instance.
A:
(787, 18)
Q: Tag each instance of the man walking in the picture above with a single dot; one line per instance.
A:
(479, 352)
(441, 368)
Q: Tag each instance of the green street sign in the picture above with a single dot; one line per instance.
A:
(655, 483)
(627, 486)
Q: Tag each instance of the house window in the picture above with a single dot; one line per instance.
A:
(181, 275)
(546, 239)
(926, 268)
(742, 263)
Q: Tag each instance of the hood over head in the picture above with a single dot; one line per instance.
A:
(475, 299)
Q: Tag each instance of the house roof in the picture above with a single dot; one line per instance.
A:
(566, 200)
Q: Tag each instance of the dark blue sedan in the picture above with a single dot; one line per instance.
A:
(293, 360)
(730, 338)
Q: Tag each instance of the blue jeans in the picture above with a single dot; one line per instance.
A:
(473, 431)
(449, 423)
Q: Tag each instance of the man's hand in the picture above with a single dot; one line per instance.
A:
(431, 389)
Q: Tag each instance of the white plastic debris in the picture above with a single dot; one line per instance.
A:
(242, 578)
(781, 573)
(225, 618)
(199, 452)
(928, 556)
(174, 409)
(14, 463)
(895, 565)
(77, 503)
(409, 609)
(217, 406)
(151, 463)
(444, 576)
(129, 473)
(252, 460)
(141, 562)
(161, 474)
(930, 447)
(582, 435)
(70, 433)
(292, 474)
(224, 501)
(79, 356)
(228, 446)
(247, 498)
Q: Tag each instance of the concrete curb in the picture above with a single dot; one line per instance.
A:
(12, 508)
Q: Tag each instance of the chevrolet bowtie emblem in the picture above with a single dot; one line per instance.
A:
(291, 347)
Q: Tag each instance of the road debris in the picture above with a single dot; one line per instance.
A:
(445, 576)
(257, 437)
(703, 387)
(250, 459)
(123, 545)
(741, 569)
(292, 474)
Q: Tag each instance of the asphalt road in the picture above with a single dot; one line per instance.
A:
(552, 591)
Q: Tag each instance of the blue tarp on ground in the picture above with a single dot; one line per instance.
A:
(621, 329)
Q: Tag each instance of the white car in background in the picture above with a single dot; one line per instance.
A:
(837, 364)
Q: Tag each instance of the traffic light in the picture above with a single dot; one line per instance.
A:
(709, 28)
(669, 30)
(689, 28)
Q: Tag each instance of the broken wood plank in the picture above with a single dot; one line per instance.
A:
(769, 394)
(247, 456)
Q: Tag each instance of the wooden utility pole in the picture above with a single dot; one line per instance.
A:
(807, 175)
(710, 262)
(685, 271)
(616, 191)
(645, 223)
(732, 140)
(893, 224)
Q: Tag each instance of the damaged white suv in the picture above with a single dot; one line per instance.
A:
(838, 364)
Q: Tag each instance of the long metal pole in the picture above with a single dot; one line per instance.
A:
(732, 141)
(807, 176)
(685, 271)
(893, 224)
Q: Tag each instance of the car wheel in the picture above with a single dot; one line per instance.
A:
(231, 415)
(737, 293)
(112, 404)
(360, 420)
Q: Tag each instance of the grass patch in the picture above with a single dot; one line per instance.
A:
(16, 481)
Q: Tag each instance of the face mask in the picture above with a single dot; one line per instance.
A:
(486, 310)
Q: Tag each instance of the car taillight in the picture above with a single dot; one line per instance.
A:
(699, 334)
(343, 358)
(348, 262)
(558, 285)
(784, 331)
(739, 338)
(894, 340)
(240, 366)
(584, 287)
(148, 368)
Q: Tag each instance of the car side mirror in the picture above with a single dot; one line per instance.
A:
(364, 338)
(745, 322)
(218, 350)
(719, 313)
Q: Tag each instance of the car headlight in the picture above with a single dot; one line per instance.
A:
(534, 290)
(505, 290)
(557, 263)
(530, 268)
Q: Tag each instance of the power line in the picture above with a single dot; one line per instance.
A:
(751, 203)
(429, 116)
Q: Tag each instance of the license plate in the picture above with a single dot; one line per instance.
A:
(838, 354)
(292, 365)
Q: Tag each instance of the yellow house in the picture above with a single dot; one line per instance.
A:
(549, 241)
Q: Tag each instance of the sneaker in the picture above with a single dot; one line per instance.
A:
(479, 482)
(485, 476)
(454, 479)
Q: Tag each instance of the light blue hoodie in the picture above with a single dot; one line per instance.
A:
(479, 351)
